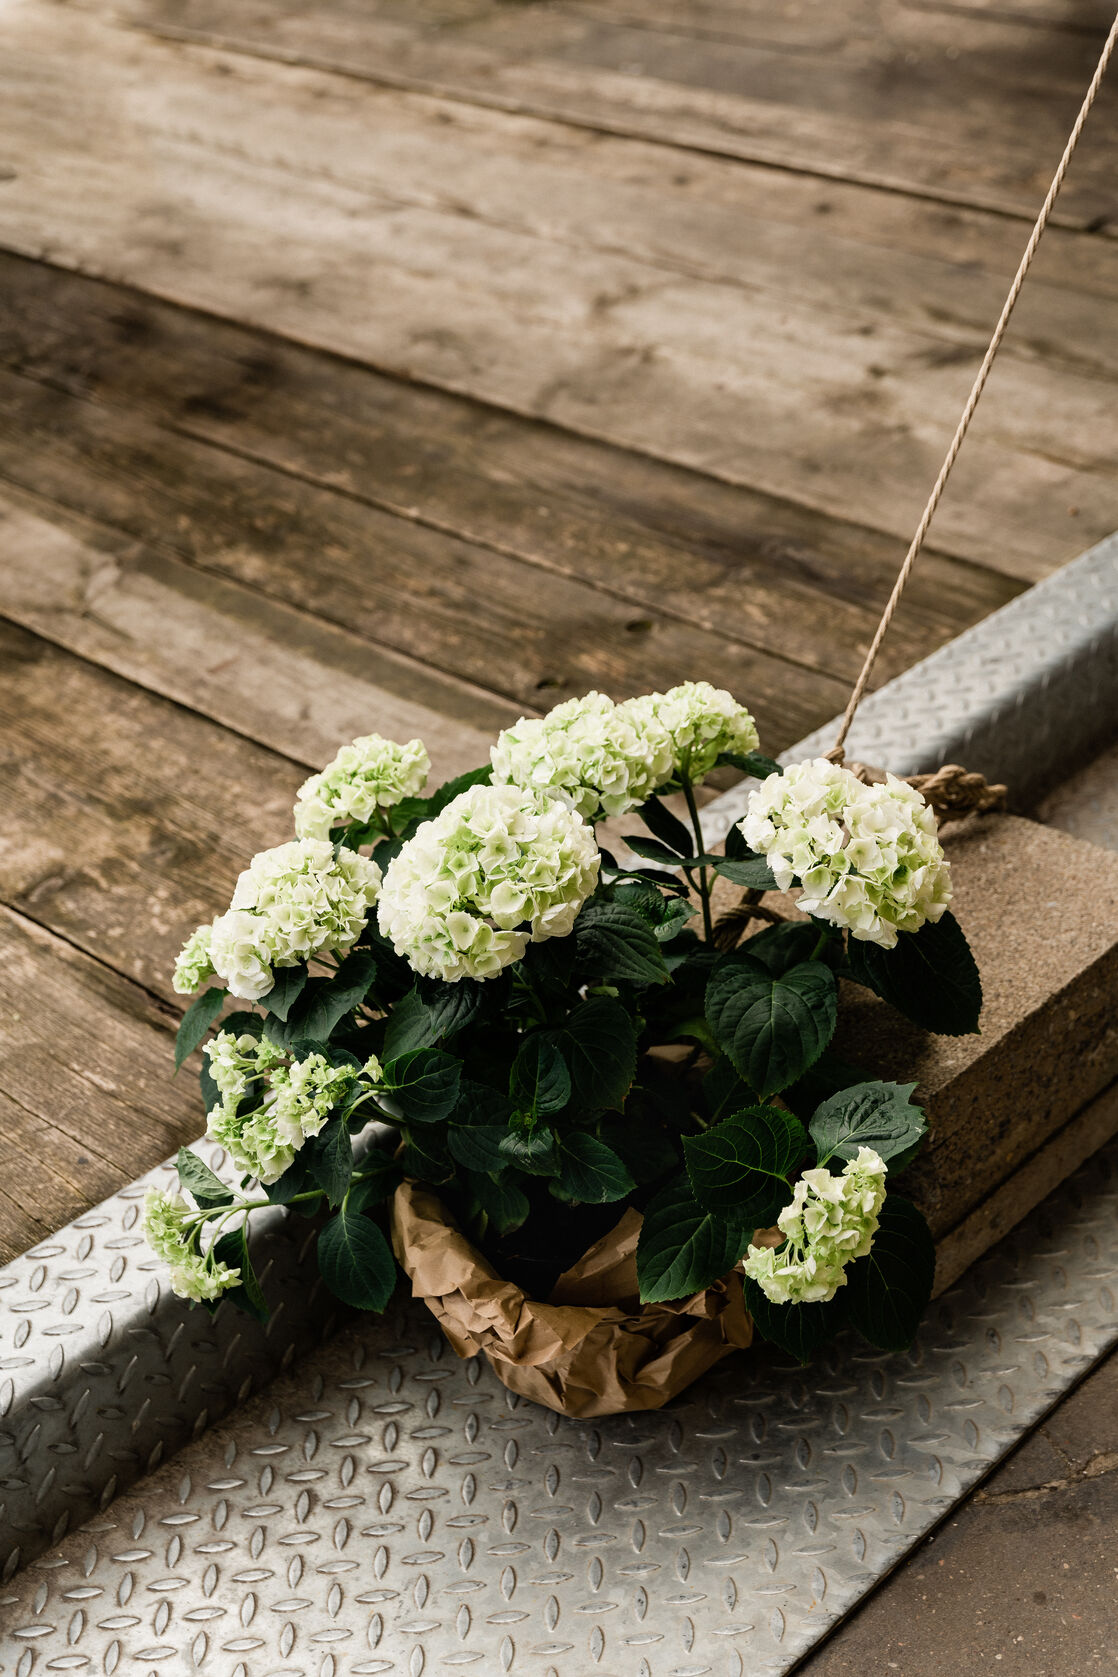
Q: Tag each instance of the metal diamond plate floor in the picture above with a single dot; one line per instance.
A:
(390, 1509)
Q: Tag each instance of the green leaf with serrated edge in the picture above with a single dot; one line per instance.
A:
(478, 1146)
(667, 827)
(930, 976)
(887, 1292)
(430, 1014)
(771, 1028)
(330, 1158)
(243, 1023)
(643, 1148)
(232, 1249)
(196, 1021)
(377, 1177)
(780, 947)
(651, 850)
(753, 763)
(539, 1080)
(616, 943)
(198, 1179)
(664, 911)
(478, 1103)
(504, 1205)
(286, 990)
(735, 846)
(799, 1329)
(394, 977)
(355, 1261)
(591, 1172)
(296, 1179)
(426, 1156)
(327, 1001)
(424, 1084)
(682, 1247)
(599, 1043)
(741, 1167)
(877, 1115)
(723, 1090)
(531, 1150)
(828, 1076)
(751, 872)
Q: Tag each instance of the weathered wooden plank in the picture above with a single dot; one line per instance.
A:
(768, 572)
(532, 635)
(124, 818)
(967, 108)
(840, 411)
(87, 1100)
(280, 676)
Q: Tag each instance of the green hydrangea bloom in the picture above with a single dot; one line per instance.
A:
(172, 1227)
(290, 903)
(499, 867)
(369, 774)
(831, 1221)
(868, 857)
(592, 753)
(701, 722)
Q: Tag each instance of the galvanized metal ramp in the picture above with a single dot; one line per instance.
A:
(387, 1508)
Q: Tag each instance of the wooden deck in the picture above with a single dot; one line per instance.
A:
(411, 365)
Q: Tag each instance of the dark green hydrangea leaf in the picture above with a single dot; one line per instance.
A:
(504, 1205)
(887, 1292)
(356, 1262)
(430, 1014)
(424, 1084)
(478, 1146)
(799, 1329)
(615, 944)
(286, 990)
(591, 1172)
(232, 1249)
(931, 976)
(772, 1028)
(683, 1247)
(325, 1002)
(740, 1168)
(198, 1179)
(539, 1081)
(877, 1115)
(667, 827)
(531, 1150)
(599, 1043)
(329, 1157)
(377, 1176)
(196, 1021)
(752, 873)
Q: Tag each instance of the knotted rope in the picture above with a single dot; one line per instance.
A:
(837, 753)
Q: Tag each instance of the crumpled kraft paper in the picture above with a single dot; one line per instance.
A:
(593, 1348)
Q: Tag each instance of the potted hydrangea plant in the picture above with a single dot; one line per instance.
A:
(603, 1132)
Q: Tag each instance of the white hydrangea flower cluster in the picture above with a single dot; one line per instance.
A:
(172, 1226)
(300, 1097)
(290, 903)
(590, 752)
(500, 866)
(701, 722)
(369, 774)
(831, 1221)
(868, 857)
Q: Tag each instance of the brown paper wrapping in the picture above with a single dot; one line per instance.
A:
(593, 1348)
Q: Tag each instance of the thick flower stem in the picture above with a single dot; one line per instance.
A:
(702, 883)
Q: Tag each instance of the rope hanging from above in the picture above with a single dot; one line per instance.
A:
(837, 752)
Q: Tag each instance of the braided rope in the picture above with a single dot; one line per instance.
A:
(837, 752)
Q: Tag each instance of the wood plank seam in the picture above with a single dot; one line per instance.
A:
(520, 107)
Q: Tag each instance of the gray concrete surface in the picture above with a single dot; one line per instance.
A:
(1023, 1579)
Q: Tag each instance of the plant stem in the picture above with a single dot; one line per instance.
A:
(824, 939)
(702, 883)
